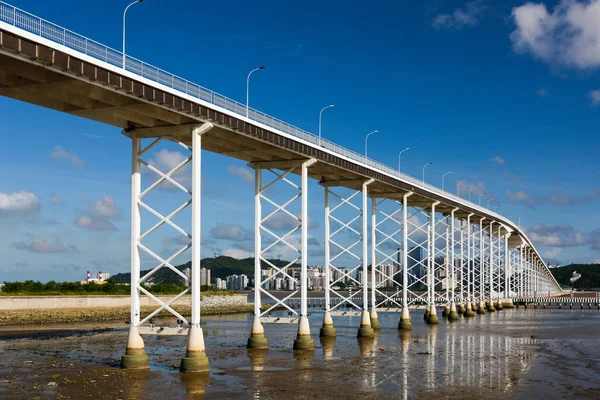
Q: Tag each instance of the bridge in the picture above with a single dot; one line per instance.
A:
(444, 250)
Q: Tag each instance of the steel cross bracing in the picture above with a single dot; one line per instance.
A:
(345, 244)
(464, 271)
(439, 257)
(417, 229)
(497, 262)
(476, 261)
(141, 158)
(387, 246)
(484, 252)
(515, 272)
(268, 239)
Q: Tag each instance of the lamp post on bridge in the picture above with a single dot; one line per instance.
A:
(124, 15)
(248, 87)
(482, 194)
(399, 155)
(496, 207)
(458, 187)
(367, 138)
(444, 177)
(320, 118)
(489, 201)
(429, 163)
(470, 190)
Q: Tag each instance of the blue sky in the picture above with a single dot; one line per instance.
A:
(504, 95)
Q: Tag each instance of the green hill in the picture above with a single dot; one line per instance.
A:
(590, 275)
(220, 267)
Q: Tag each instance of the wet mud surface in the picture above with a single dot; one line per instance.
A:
(513, 354)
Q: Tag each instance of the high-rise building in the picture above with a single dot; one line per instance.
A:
(204, 276)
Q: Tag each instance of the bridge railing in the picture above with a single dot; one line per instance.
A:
(50, 31)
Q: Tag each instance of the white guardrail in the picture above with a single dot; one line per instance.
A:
(38, 26)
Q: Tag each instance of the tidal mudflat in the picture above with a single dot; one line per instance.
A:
(533, 354)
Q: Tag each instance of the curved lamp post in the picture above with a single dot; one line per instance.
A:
(124, 15)
(248, 87)
(321, 117)
(444, 177)
(470, 190)
(458, 187)
(399, 155)
(366, 138)
(429, 163)
(482, 194)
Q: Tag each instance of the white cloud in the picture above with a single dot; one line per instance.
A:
(165, 160)
(542, 92)
(60, 153)
(498, 160)
(98, 224)
(237, 253)
(38, 245)
(519, 196)
(557, 236)
(595, 96)
(19, 202)
(283, 221)
(459, 18)
(558, 198)
(245, 174)
(104, 207)
(570, 35)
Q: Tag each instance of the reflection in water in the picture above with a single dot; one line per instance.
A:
(195, 384)
(327, 343)
(257, 358)
(137, 384)
(365, 346)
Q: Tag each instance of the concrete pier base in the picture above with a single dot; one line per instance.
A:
(474, 306)
(135, 356)
(365, 329)
(405, 323)
(481, 308)
(453, 314)
(327, 330)
(195, 359)
(426, 314)
(433, 318)
(257, 338)
(469, 311)
(461, 309)
(490, 306)
(304, 341)
(375, 325)
(446, 311)
(499, 305)
(508, 303)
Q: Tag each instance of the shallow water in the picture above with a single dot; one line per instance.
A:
(510, 354)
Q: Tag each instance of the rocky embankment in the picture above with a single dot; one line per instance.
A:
(211, 305)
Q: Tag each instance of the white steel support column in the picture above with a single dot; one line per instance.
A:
(507, 269)
(492, 262)
(432, 319)
(470, 265)
(482, 266)
(405, 322)
(327, 330)
(374, 320)
(453, 316)
(195, 359)
(365, 329)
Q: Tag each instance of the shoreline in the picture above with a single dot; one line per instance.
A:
(97, 314)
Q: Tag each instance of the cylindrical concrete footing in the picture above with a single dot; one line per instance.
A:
(453, 314)
(405, 323)
(304, 341)
(469, 311)
(257, 339)
(490, 306)
(508, 303)
(365, 329)
(327, 330)
(375, 325)
(195, 359)
(135, 356)
(461, 309)
(481, 308)
(433, 318)
(446, 311)
(426, 314)
(499, 305)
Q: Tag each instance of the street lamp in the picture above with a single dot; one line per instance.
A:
(369, 134)
(320, 117)
(458, 187)
(443, 177)
(495, 208)
(124, 14)
(482, 194)
(489, 201)
(400, 154)
(429, 163)
(473, 187)
(248, 86)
